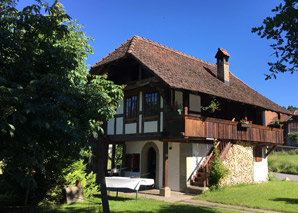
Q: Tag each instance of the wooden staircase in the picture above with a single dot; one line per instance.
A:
(201, 177)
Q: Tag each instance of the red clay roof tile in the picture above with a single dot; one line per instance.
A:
(182, 71)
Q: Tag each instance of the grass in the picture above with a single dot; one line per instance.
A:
(277, 195)
(283, 162)
(120, 205)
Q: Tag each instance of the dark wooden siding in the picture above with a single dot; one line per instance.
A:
(200, 127)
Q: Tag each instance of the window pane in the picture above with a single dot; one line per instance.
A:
(151, 104)
(131, 107)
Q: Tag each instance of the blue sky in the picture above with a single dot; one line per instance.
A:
(194, 27)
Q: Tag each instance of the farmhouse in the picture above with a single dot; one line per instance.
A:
(176, 107)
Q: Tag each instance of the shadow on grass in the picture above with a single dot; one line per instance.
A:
(186, 208)
(288, 200)
(113, 197)
(119, 198)
(84, 207)
(176, 209)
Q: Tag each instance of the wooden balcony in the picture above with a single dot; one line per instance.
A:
(199, 128)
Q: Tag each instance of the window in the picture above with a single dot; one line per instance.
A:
(151, 104)
(132, 162)
(131, 107)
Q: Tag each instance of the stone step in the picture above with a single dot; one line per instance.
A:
(195, 189)
(199, 179)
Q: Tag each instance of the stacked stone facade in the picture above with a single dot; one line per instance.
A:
(240, 164)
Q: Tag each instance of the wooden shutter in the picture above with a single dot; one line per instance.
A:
(132, 162)
(258, 154)
(128, 161)
(136, 162)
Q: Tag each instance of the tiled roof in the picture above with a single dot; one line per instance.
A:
(222, 51)
(182, 71)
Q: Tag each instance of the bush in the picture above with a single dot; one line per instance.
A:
(283, 162)
(293, 152)
(272, 177)
(294, 136)
(218, 170)
(72, 174)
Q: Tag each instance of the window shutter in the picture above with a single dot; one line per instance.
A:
(128, 161)
(258, 154)
(136, 163)
(132, 162)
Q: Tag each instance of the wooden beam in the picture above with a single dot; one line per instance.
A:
(141, 83)
(270, 150)
(165, 164)
(225, 150)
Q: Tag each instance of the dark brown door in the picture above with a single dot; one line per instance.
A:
(151, 163)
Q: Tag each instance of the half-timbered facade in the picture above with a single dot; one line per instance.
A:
(165, 126)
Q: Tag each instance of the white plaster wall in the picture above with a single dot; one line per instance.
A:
(131, 128)
(173, 166)
(136, 147)
(120, 108)
(199, 152)
(179, 98)
(150, 126)
(119, 126)
(111, 123)
(189, 168)
(261, 169)
(195, 103)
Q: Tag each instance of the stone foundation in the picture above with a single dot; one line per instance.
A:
(240, 163)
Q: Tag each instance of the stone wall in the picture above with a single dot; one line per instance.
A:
(240, 163)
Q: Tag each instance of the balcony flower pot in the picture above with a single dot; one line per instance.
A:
(243, 125)
(212, 110)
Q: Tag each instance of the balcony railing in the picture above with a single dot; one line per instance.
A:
(200, 128)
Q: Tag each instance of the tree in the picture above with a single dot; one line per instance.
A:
(48, 108)
(283, 30)
(292, 108)
(294, 136)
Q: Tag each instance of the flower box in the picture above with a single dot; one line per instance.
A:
(245, 125)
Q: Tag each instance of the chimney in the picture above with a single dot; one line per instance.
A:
(223, 72)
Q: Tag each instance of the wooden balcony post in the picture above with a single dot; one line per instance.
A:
(185, 110)
(165, 190)
(113, 156)
(185, 102)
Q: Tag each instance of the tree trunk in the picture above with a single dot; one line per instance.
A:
(100, 156)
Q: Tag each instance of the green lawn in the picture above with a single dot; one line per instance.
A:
(277, 195)
(283, 162)
(123, 204)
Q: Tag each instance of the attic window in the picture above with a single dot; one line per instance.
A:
(131, 107)
(151, 104)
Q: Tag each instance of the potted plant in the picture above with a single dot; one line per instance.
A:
(212, 107)
(276, 123)
(245, 123)
(176, 109)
